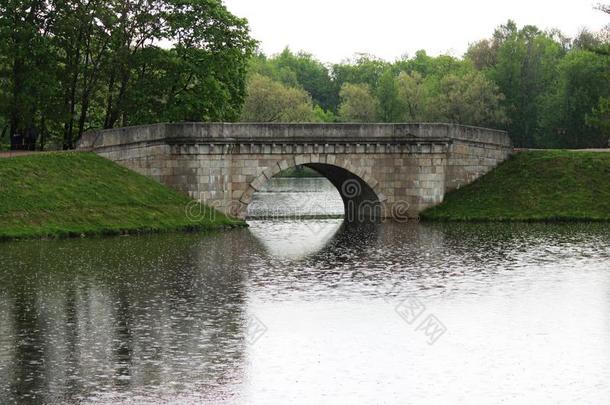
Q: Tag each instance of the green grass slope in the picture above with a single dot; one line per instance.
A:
(548, 185)
(69, 194)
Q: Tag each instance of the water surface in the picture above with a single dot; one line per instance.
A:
(311, 311)
(297, 198)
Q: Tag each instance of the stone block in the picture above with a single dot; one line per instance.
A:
(370, 181)
(302, 159)
(238, 178)
(246, 197)
(249, 171)
(258, 182)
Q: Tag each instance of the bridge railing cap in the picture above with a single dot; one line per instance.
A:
(241, 132)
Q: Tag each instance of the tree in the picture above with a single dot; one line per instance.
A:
(25, 54)
(357, 103)
(525, 72)
(269, 67)
(412, 96)
(299, 70)
(600, 117)
(428, 66)
(583, 81)
(601, 40)
(271, 101)
(365, 69)
(387, 94)
(321, 115)
(470, 100)
(71, 65)
(312, 76)
(482, 53)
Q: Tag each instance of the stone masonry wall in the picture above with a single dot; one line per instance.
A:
(408, 166)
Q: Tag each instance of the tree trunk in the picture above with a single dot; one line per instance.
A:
(15, 132)
(43, 130)
(109, 104)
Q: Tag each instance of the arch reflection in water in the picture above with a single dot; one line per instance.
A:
(296, 198)
(294, 239)
(337, 192)
(293, 215)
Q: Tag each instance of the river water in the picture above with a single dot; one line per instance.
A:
(310, 311)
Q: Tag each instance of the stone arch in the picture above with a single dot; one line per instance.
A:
(361, 193)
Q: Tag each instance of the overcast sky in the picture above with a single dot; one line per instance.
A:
(334, 30)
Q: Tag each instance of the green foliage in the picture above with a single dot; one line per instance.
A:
(550, 84)
(40, 196)
(358, 104)
(271, 101)
(66, 67)
(412, 96)
(365, 69)
(69, 66)
(525, 71)
(583, 78)
(429, 66)
(262, 65)
(535, 186)
(390, 107)
(471, 99)
(423, 88)
(600, 117)
(312, 75)
(323, 116)
(483, 54)
(299, 70)
(464, 97)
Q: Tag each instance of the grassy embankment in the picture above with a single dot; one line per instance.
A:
(72, 194)
(548, 185)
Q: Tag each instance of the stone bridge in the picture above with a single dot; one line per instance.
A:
(395, 170)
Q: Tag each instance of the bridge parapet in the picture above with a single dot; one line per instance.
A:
(335, 133)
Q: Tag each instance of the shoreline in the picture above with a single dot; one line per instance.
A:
(79, 194)
(59, 195)
(534, 186)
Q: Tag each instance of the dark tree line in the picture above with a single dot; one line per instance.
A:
(547, 90)
(70, 65)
